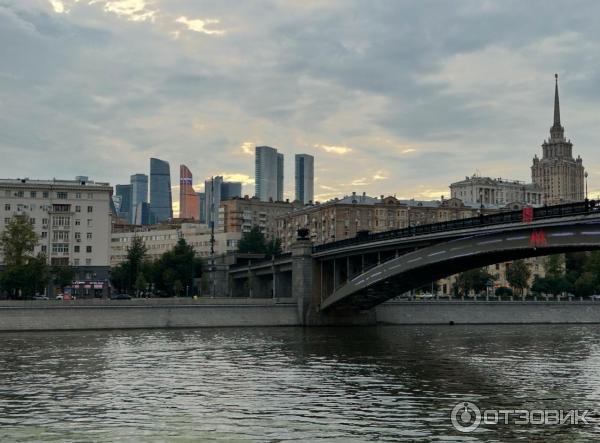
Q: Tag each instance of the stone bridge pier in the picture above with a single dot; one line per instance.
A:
(311, 281)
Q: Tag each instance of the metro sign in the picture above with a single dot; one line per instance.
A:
(538, 238)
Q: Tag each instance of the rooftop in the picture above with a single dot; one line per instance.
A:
(80, 181)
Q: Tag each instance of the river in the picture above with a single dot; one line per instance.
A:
(385, 383)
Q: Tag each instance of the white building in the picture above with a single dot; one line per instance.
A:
(497, 192)
(162, 238)
(71, 219)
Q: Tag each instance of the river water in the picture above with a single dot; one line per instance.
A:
(385, 383)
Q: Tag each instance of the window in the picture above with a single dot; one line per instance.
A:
(7, 207)
(32, 221)
(76, 262)
(62, 195)
(88, 261)
(58, 248)
(77, 222)
(76, 248)
(89, 222)
(44, 234)
(45, 194)
(78, 195)
(90, 196)
(45, 221)
(90, 208)
(61, 220)
(33, 194)
(7, 220)
(89, 235)
(61, 235)
(88, 249)
(78, 236)
(20, 194)
(77, 208)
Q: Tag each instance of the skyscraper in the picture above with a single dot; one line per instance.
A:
(139, 192)
(305, 177)
(202, 204)
(123, 192)
(161, 201)
(215, 192)
(188, 198)
(560, 176)
(268, 173)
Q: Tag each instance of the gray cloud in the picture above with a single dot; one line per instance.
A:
(423, 92)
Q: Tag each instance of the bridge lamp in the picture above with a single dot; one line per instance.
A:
(586, 187)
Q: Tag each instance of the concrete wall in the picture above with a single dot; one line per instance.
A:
(482, 312)
(152, 313)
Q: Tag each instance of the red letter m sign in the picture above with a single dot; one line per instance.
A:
(538, 238)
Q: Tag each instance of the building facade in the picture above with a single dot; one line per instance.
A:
(557, 173)
(496, 192)
(139, 193)
(72, 220)
(304, 176)
(189, 201)
(161, 200)
(162, 238)
(268, 169)
(241, 214)
(340, 219)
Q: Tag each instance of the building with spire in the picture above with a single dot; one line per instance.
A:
(557, 173)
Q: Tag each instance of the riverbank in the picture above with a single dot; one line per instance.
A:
(239, 312)
(145, 313)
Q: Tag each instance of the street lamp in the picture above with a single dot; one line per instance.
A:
(586, 187)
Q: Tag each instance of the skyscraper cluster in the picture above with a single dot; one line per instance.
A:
(269, 175)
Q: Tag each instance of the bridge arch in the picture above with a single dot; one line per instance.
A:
(415, 269)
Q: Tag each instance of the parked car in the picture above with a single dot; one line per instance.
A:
(65, 297)
(120, 297)
(40, 297)
(595, 297)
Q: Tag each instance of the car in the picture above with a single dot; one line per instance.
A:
(595, 297)
(65, 297)
(40, 297)
(120, 297)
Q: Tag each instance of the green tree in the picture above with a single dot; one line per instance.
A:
(177, 265)
(554, 265)
(24, 274)
(253, 242)
(18, 241)
(473, 279)
(62, 276)
(124, 276)
(517, 275)
(140, 284)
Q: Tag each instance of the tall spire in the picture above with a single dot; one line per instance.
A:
(556, 104)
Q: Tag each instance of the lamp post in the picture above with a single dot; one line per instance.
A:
(586, 187)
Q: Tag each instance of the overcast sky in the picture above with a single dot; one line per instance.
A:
(392, 97)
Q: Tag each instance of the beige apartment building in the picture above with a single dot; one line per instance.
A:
(241, 214)
(162, 238)
(343, 218)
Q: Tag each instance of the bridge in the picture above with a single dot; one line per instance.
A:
(354, 275)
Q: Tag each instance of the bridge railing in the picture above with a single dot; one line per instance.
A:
(504, 217)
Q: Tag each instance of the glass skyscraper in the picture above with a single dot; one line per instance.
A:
(161, 201)
(268, 174)
(305, 177)
(139, 193)
(124, 209)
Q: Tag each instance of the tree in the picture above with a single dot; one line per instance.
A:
(125, 275)
(24, 274)
(273, 247)
(18, 241)
(140, 283)
(473, 279)
(176, 269)
(62, 276)
(554, 265)
(517, 275)
(253, 242)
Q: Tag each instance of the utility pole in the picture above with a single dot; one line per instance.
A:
(212, 235)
